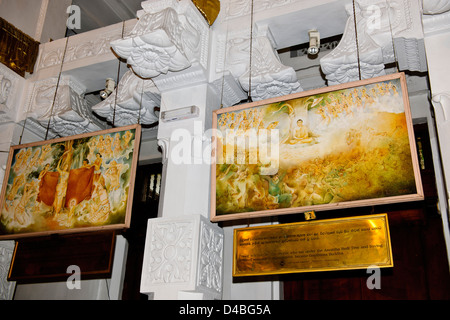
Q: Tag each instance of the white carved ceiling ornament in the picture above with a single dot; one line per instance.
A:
(135, 102)
(254, 63)
(270, 78)
(156, 45)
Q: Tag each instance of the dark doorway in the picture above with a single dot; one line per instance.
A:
(145, 207)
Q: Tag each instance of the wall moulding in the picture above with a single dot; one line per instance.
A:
(135, 101)
(11, 85)
(83, 49)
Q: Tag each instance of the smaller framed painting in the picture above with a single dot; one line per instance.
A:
(336, 147)
(70, 185)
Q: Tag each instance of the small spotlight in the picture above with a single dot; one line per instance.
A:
(314, 42)
(109, 88)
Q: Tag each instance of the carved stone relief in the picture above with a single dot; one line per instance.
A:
(171, 253)
(134, 102)
(382, 27)
(210, 270)
(69, 114)
(183, 254)
(168, 40)
(9, 86)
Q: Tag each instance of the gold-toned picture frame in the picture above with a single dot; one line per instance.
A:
(332, 148)
(70, 185)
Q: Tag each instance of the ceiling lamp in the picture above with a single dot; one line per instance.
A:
(314, 42)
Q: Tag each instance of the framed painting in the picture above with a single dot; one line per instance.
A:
(337, 147)
(70, 185)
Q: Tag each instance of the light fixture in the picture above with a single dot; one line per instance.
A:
(314, 42)
(109, 88)
(180, 114)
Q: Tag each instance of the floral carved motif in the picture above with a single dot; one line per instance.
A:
(171, 253)
(160, 42)
(211, 266)
(6, 253)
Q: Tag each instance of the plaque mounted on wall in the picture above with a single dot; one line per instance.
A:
(327, 245)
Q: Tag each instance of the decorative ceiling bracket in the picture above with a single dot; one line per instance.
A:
(266, 75)
(386, 31)
(169, 38)
(136, 101)
(69, 114)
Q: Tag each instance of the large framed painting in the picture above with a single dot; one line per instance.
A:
(337, 147)
(70, 185)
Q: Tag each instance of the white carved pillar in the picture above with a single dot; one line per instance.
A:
(6, 252)
(436, 21)
(183, 225)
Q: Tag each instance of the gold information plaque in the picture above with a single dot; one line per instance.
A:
(327, 245)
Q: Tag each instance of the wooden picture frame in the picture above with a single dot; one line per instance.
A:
(337, 147)
(70, 185)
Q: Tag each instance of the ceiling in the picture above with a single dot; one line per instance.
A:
(101, 13)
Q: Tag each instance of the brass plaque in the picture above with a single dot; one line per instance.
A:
(327, 245)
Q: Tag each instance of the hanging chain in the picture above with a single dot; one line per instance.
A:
(57, 87)
(117, 81)
(140, 105)
(357, 42)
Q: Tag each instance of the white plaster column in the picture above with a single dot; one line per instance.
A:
(183, 256)
(437, 37)
(6, 287)
(184, 251)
